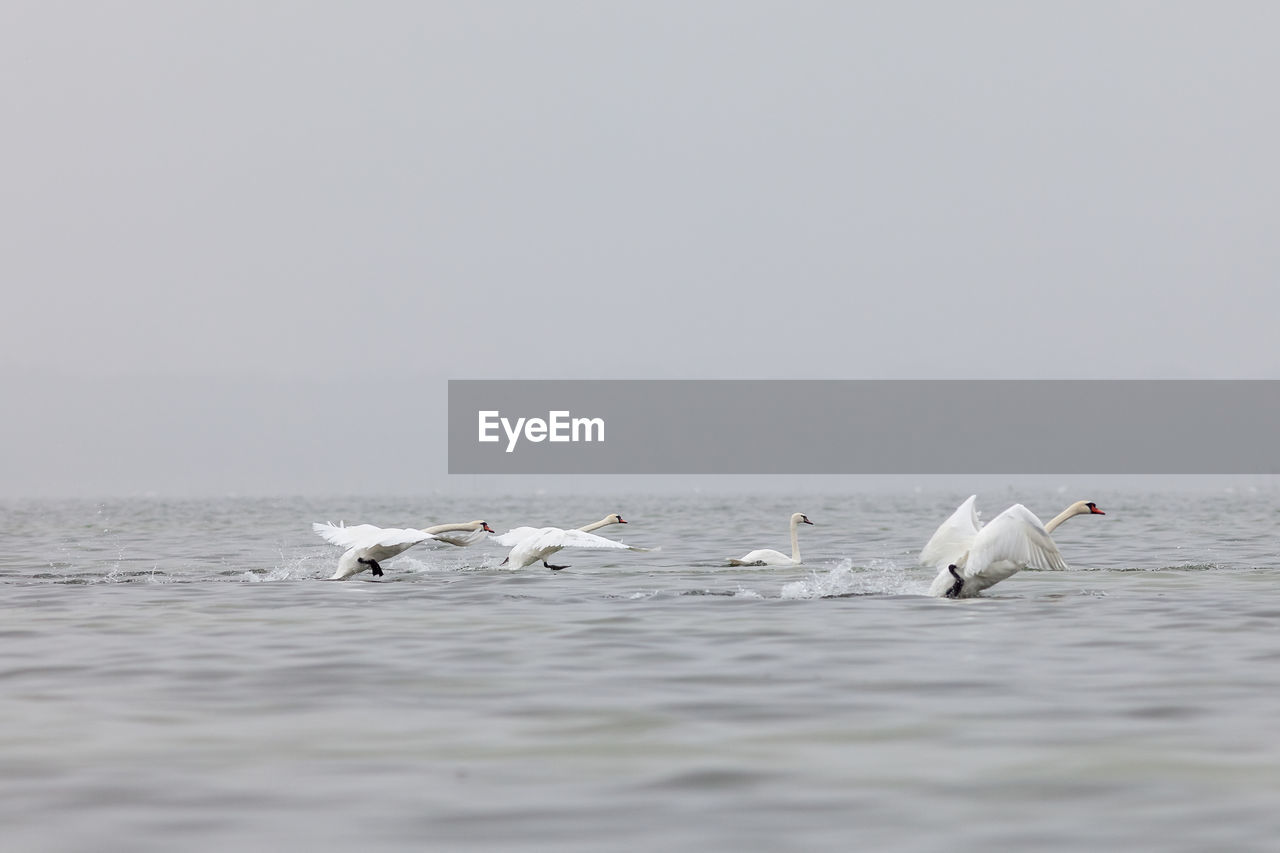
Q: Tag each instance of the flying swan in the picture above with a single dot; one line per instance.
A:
(769, 557)
(531, 544)
(971, 557)
(369, 546)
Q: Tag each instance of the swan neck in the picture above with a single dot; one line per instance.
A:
(795, 541)
(448, 528)
(604, 522)
(1053, 523)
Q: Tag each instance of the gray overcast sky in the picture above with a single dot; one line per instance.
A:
(246, 243)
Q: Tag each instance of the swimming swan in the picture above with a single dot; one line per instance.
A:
(769, 557)
(531, 544)
(367, 546)
(972, 557)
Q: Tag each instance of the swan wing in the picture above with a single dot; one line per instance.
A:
(341, 534)
(516, 535)
(954, 536)
(370, 536)
(390, 537)
(1015, 536)
(554, 537)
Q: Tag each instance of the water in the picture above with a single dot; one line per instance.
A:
(175, 676)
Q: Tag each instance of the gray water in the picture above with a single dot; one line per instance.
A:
(175, 675)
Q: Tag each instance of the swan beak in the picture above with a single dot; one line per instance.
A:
(621, 520)
(486, 528)
(1093, 510)
(807, 521)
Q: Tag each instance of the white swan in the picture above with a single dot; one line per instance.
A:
(972, 557)
(531, 544)
(367, 546)
(769, 557)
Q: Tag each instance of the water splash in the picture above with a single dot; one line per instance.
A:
(279, 573)
(117, 574)
(305, 566)
(880, 577)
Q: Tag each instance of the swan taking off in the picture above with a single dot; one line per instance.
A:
(769, 557)
(531, 544)
(367, 546)
(971, 557)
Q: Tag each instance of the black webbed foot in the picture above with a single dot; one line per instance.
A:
(954, 591)
(553, 568)
(374, 568)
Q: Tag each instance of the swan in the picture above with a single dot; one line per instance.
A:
(769, 557)
(972, 557)
(531, 544)
(367, 546)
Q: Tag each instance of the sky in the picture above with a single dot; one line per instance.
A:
(246, 244)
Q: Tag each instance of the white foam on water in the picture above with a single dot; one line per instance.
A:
(880, 577)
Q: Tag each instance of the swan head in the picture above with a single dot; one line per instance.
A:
(1086, 508)
(614, 519)
(800, 518)
(482, 525)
